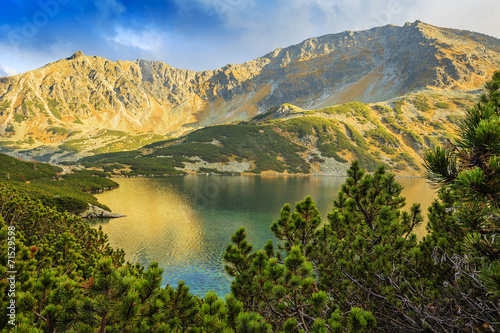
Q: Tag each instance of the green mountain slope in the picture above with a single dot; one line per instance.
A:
(83, 105)
(291, 140)
(50, 184)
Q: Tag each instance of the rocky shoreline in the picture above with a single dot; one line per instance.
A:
(94, 212)
(104, 189)
(265, 173)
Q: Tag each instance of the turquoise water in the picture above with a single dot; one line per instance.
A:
(185, 223)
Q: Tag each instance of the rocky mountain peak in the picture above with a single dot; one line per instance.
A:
(415, 24)
(75, 55)
(150, 96)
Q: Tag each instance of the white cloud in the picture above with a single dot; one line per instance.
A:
(331, 16)
(252, 29)
(282, 23)
(21, 60)
(7, 71)
(147, 40)
(478, 16)
(258, 27)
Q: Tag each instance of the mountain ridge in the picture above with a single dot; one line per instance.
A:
(144, 98)
(290, 140)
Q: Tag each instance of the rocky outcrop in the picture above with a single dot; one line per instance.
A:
(84, 93)
(94, 212)
(230, 167)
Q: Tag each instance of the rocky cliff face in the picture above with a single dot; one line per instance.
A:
(87, 93)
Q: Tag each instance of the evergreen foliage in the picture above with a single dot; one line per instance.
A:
(464, 227)
(360, 270)
(336, 276)
(68, 279)
(331, 139)
(268, 150)
(65, 192)
(364, 269)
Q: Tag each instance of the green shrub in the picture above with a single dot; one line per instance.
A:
(355, 136)
(4, 106)
(18, 118)
(442, 105)
(398, 106)
(42, 181)
(57, 130)
(459, 102)
(65, 204)
(422, 119)
(53, 108)
(421, 103)
(406, 158)
(438, 125)
(383, 109)
(358, 109)
(382, 136)
(389, 150)
(455, 119)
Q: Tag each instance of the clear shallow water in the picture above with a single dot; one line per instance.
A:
(185, 223)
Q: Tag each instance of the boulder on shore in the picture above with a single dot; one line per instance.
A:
(94, 212)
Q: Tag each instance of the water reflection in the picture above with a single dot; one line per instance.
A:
(185, 223)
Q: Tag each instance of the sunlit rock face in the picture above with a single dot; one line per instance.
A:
(89, 93)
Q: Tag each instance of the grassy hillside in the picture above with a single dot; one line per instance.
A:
(69, 143)
(260, 144)
(287, 139)
(46, 183)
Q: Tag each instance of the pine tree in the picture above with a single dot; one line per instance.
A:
(346, 274)
(266, 288)
(364, 254)
(297, 228)
(70, 280)
(468, 171)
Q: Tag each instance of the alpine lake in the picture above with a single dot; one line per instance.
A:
(185, 222)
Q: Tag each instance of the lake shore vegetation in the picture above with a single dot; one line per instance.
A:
(360, 269)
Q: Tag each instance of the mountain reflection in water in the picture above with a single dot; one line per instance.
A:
(185, 223)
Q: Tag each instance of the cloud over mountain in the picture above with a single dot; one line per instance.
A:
(206, 34)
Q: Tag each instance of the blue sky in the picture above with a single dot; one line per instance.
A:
(205, 34)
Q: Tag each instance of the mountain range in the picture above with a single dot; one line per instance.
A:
(417, 78)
